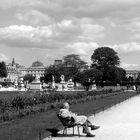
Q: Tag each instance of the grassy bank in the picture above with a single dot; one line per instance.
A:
(28, 127)
(29, 103)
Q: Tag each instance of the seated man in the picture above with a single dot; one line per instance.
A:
(79, 119)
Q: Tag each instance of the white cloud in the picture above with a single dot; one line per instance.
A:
(75, 25)
(64, 32)
(33, 17)
(3, 57)
(84, 49)
(14, 32)
(129, 66)
(134, 25)
(6, 4)
(91, 30)
(65, 23)
(131, 47)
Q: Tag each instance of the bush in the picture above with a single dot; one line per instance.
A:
(27, 104)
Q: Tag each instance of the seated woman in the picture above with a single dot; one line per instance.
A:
(79, 119)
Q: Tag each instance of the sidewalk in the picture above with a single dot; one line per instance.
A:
(120, 122)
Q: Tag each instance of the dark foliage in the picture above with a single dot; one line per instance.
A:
(3, 70)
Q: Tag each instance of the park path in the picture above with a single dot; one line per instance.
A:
(121, 122)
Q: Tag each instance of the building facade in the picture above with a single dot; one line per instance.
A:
(13, 71)
(132, 73)
(37, 68)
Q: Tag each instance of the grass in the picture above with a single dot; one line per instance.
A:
(28, 127)
(30, 103)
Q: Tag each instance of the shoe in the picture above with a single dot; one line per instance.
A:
(54, 131)
(90, 135)
(94, 127)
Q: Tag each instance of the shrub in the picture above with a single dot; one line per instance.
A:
(30, 103)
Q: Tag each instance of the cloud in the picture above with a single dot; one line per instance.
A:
(92, 8)
(126, 48)
(91, 30)
(134, 27)
(25, 32)
(3, 57)
(33, 17)
(61, 9)
(84, 49)
(128, 66)
(53, 35)
(7, 4)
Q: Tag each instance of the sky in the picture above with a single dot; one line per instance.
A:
(46, 30)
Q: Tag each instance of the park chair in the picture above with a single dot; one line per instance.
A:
(68, 122)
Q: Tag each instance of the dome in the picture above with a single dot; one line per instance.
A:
(37, 64)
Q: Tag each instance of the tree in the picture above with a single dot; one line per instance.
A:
(3, 70)
(52, 71)
(87, 77)
(121, 74)
(29, 78)
(71, 65)
(138, 78)
(73, 60)
(105, 56)
(106, 60)
(115, 75)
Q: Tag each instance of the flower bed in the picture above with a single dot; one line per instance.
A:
(31, 103)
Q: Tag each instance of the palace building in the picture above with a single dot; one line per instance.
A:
(132, 73)
(13, 71)
(37, 68)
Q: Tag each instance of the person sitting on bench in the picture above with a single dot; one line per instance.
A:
(79, 119)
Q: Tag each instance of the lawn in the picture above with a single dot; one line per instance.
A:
(29, 127)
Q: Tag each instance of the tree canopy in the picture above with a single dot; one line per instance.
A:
(73, 60)
(29, 78)
(138, 78)
(87, 77)
(105, 56)
(3, 69)
(70, 66)
(107, 61)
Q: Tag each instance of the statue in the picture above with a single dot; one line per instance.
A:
(16, 84)
(52, 78)
(21, 84)
(62, 86)
(37, 78)
(70, 84)
(62, 77)
(94, 86)
(36, 84)
(53, 82)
